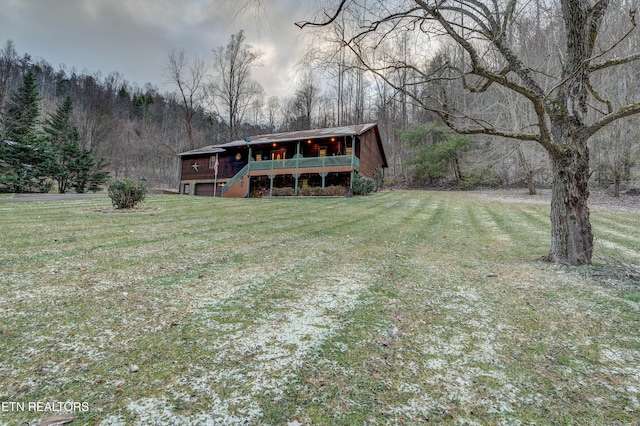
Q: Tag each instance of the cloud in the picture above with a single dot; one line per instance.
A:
(135, 37)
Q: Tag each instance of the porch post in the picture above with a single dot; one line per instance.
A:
(324, 175)
(297, 154)
(249, 175)
(353, 156)
(295, 190)
(271, 185)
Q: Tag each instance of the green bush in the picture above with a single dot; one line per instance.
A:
(363, 185)
(469, 183)
(125, 194)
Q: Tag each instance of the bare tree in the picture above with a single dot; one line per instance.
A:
(616, 150)
(233, 89)
(190, 80)
(273, 111)
(93, 114)
(8, 60)
(560, 103)
(304, 102)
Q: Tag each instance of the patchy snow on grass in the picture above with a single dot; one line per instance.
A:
(159, 411)
(265, 356)
(236, 325)
(632, 254)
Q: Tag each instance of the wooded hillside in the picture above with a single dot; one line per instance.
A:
(138, 130)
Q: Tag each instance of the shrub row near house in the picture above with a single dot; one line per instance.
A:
(327, 191)
(282, 192)
(311, 191)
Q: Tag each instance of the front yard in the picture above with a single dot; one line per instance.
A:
(403, 307)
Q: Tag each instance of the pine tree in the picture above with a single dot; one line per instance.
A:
(22, 112)
(88, 172)
(27, 159)
(58, 126)
(76, 167)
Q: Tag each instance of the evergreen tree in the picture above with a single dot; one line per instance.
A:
(437, 152)
(87, 172)
(75, 167)
(22, 111)
(27, 159)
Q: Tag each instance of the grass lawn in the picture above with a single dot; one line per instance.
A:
(402, 307)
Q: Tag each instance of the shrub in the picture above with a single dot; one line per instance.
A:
(318, 191)
(283, 192)
(307, 191)
(469, 183)
(336, 191)
(363, 185)
(125, 194)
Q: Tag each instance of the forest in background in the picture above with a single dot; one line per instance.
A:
(139, 131)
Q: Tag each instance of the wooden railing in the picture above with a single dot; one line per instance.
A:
(306, 162)
(292, 163)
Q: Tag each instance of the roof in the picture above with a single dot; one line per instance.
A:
(354, 130)
(211, 149)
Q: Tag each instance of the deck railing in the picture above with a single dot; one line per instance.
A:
(305, 162)
(292, 163)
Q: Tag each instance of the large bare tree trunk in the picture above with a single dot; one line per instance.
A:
(571, 234)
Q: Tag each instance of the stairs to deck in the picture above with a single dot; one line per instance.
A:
(237, 185)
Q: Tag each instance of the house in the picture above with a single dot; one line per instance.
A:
(257, 165)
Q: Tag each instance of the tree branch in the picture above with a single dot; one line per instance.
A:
(614, 62)
(598, 10)
(598, 97)
(623, 112)
(301, 25)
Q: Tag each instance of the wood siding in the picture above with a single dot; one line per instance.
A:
(370, 155)
(228, 166)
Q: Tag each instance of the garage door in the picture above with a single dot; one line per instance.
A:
(204, 189)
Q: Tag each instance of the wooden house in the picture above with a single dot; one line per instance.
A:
(256, 165)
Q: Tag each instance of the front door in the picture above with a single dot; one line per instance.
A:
(279, 154)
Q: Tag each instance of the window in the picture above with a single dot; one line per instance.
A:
(322, 151)
(186, 189)
(212, 161)
(258, 156)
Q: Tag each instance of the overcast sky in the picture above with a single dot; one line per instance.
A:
(135, 37)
